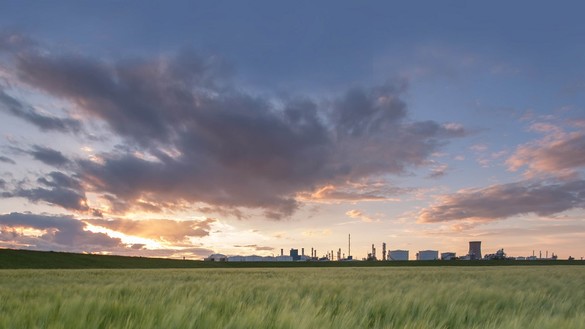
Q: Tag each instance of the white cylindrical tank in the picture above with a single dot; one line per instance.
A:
(427, 255)
(398, 255)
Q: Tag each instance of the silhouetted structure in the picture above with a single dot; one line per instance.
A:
(427, 255)
(448, 255)
(474, 250)
(384, 251)
(294, 253)
(398, 255)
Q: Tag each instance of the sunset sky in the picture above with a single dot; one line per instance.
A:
(242, 127)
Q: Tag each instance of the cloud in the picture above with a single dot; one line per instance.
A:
(59, 179)
(559, 153)
(48, 156)
(157, 229)
(56, 233)
(506, 200)
(31, 115)
(58, 189)
(357, 214)
(354, 193)
(203, 141)
(439, 171)
(6, 160)
(13, 41)
(255, 247)
(317, 233)
(65, 233)
(64, 197)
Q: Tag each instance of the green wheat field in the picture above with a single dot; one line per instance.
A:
(417, 297)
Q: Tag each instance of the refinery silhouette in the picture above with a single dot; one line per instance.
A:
(474, 254)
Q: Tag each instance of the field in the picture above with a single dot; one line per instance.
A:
(385, 297)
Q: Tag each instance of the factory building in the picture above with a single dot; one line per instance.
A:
(253, 258)
(294, 253)
(216, 258)
(448, 255)
(427, 255)
(398, 255)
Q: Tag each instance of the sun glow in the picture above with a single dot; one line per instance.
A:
(127, 239)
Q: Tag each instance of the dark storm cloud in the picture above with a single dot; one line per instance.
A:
(6, 160)
(59, 233)
(507, 200)
(31, 115)
(211, 143)
(48, 156)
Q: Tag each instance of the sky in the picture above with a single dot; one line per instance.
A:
(179, 130)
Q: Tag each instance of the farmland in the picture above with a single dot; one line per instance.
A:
(384, 297)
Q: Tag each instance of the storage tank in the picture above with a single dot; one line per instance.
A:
(447, 255)
(398, 255)
(427, 255)
(236, 259)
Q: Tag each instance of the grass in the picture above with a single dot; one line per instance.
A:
(22, 259)
(387, 297)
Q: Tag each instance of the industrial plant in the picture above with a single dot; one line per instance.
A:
(474, 254)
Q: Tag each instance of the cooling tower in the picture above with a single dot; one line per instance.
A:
(475, 250)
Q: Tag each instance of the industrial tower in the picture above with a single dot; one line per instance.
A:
(474, 250)
(384, 251)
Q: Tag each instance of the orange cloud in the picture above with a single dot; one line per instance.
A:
(357, 214)
(559, 154)
(158, 229)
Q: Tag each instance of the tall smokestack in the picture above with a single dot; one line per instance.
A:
(349, 246)
(303, 251)
(282, 252)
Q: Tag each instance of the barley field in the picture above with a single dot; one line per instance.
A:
(429, 297)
